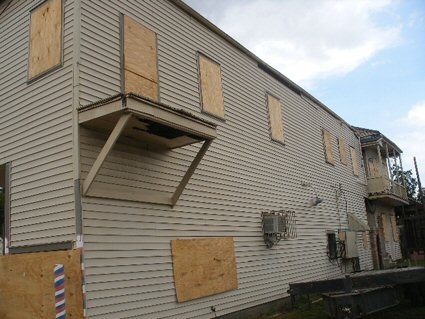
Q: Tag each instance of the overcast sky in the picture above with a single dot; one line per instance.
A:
(365, 59)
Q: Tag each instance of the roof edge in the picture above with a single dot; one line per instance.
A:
(261, 64)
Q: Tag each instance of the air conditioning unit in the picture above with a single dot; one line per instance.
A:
(274, 224)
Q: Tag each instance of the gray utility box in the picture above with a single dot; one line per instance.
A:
(274, 224)
(349, 238)
(359, 303)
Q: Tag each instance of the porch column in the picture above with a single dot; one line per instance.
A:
(378, 148)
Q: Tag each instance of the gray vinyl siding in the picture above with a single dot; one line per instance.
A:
(127, 244)
(36, 133)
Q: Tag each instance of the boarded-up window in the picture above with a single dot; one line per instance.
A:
(327, 144)
(385, 227)
(45, 49)
(342, 145)
(140, 60)
(211, 87)
(394, 227)
(373, 167)
(365, 240)
(275, 118)
(203, 267)
(355, 161)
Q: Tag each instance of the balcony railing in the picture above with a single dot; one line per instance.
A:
(382, 186)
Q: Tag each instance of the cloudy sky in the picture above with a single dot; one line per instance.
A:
(365, 59)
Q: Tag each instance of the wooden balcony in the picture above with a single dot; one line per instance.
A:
(390, 192)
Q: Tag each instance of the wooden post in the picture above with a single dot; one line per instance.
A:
(378, 148)
(401, 167)
(388, 162)
(396, 167)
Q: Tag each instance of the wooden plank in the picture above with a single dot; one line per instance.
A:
(365, 236)
(327, 141)
(211, 87)
(342, 144)
(275, 118)
(27, 285)
(373, 167)
(394, 227)
(354, 160)
(140, 53)
(134, 83)
(45, 37)
(140, 60)
(105, 151)
(203, 267)
(385, 227)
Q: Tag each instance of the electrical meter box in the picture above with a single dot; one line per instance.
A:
(349, 239)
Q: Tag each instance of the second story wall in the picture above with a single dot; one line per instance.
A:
(36, 118)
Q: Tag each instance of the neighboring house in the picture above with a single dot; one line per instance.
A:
(139, 136)
(385, 192)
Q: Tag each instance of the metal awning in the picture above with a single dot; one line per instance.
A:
(151, 122)
(155, 124)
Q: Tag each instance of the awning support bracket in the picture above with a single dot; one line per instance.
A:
(113, 137)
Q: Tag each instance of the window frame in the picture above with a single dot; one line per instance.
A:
(354, 161)
(61, 55)
(327, 137)
(280, 139)
(125, 69)
(199, 56)
(342, 146)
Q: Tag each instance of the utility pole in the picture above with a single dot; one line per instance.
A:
(421, 194)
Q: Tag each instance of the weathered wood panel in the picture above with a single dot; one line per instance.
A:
(342, 145)
(355, 161)
(140, 60)
(139, 85)
(211, 86)
(275, 117)
(27, 285)
(203, 267)
(45, 37)
(327, 142)
(394, 228)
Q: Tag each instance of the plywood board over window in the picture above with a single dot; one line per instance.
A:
(373, 167)
(327, 144)
(45, 47)
(211, 86)
(203, 267)
(139, 60)
(275, 118)
(342, 145)
(355, 161)
(394, 227)
(385, 227)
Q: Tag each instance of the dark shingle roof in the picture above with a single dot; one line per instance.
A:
(368, 136)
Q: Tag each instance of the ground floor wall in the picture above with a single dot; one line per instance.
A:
(129, 259)
(385, 242)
